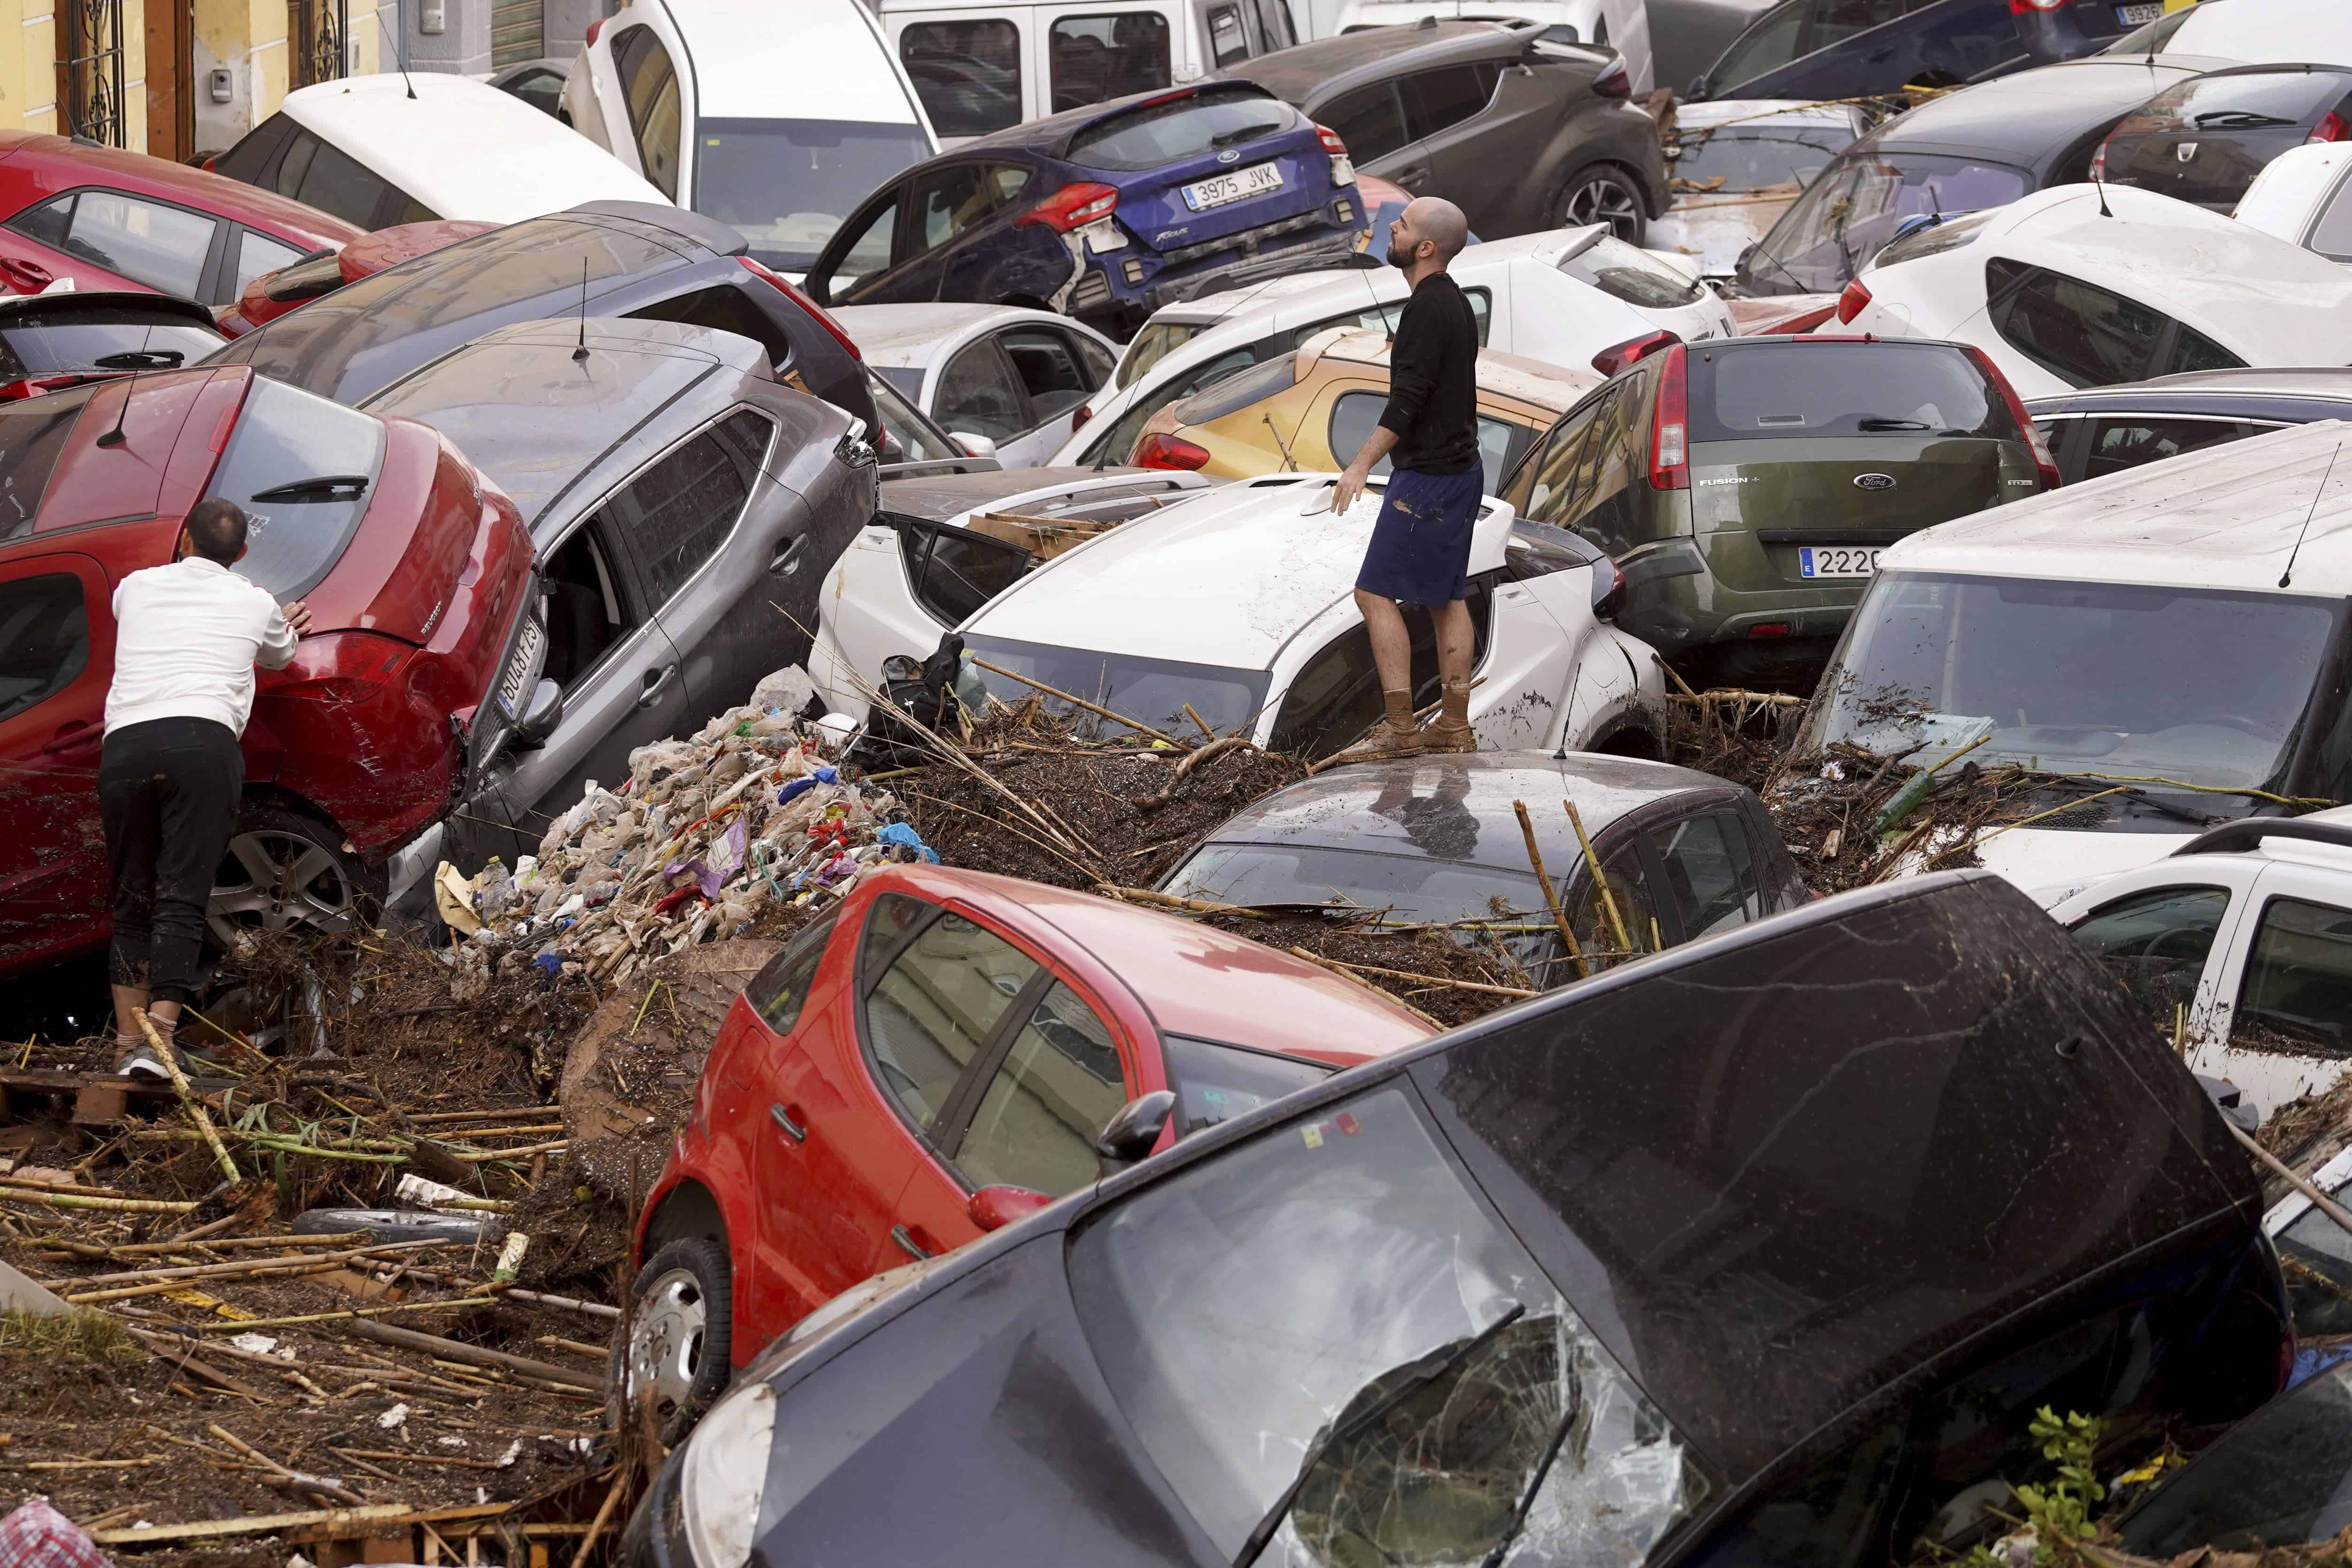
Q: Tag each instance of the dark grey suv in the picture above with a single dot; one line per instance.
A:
(1521, 131)
(684, 506)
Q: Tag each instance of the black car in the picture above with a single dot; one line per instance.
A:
(1982, 147)
(684, 506)
(2281, 1477)
(1762, 1250)
(604, 259)
(2103, 430)
(53, 341)
(1845, 48)
(1520, 130)
(2204, 139)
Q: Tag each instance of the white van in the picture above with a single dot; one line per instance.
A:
(981, 65)
(778, 124)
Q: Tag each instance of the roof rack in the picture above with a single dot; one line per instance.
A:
(2234, 837)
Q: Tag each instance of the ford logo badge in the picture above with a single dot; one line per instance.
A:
(1874, 481)
(1230, 155)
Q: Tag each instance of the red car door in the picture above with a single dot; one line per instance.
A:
(57, 658)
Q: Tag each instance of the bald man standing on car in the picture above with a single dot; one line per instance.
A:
(1419, 552)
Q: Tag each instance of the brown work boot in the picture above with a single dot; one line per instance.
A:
(1450, 731)
(1395, 735)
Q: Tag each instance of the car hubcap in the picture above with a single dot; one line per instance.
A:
(270, 881)
(1604, 200)
(666, 1342)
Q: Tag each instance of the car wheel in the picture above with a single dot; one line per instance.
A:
(285, 868)
(679, 1335)
(1603, 192)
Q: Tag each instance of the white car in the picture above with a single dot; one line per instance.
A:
(1240, 602)
(2257, 32)
(2091, 285)
(2239, 944)
(377, 150)
(2303, 197)
(2168, 639)
(1619, 24)
(1006, 375)
(1734, 166)
(1564, 296)
(776, 121)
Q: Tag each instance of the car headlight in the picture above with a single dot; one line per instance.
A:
(725, 1473)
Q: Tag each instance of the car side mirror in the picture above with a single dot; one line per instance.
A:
(541, 715)
(972, 446)
(1129, 1135)
(994, 1209)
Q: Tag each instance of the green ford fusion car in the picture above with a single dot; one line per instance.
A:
(1746, 487)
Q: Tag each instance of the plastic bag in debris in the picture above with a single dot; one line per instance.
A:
(898, 833)
(788, 689)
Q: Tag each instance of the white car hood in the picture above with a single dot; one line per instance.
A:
(2053, 864)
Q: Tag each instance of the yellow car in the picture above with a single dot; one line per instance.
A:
(1310, 412)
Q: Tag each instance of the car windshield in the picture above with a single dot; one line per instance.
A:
(1238, 391)
(1797, 386)
(1216, 1082)
(1254, 1313)
(1154, 344)
(907, 436)
(1626, 272)
(1855, 207)
(2239, 100)
(33, 436)
(127, 339)
(301, 467)
(2283, 1474)
(1152, 135)
(787, 184)
(1757, 154)
(2195, 687)
(1153, 691)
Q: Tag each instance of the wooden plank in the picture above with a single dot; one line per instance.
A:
(332, 1519)
(457, 1350)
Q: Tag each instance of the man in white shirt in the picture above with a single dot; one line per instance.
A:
(187, 636)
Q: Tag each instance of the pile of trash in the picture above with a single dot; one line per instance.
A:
(752, 815)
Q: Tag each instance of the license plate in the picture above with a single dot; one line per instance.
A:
(1836, 561)
(1239, 185)
(522, 669)
(2139, 16)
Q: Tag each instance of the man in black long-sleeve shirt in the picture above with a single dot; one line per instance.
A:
(1419, 552)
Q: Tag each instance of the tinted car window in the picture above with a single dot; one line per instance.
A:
(1217, 1082)
(337, 183)
(681, 509)
(967, 74)
(1354, 415)
(2075, 330)
(2283, 1475)
(2195, 351)
(868, 255)
(248, 159)
(1240, 390)
(2238, 101)
(1550, 486)
(1036, 1121)
(1227, 40)
(1840, 389)
(33, 436)
(1448, 96)
(1767, 46)
(1155, 691)
(649, 88)
(2155, 943)
(1615, 916)
(1710, 873)
(977, 395)
(147, 242)
(725, 309)
(115, 337)
(44, 638)
(780, 990)
(257, 253)
(1370, 121)
(935, 1008)
(907, 436)
(2297, 991)
(1148, 136)
(301, 467)
(2129, 440)
(1050, 369)
(947, 201)
(952, 572)
(1092, 59)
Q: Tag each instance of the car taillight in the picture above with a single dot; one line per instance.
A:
(1851, 301)
(1614, 81)
(595, 28)
(2043, 461)
(34, 385)
(1071, 206)
(2099, 165)
(339, 668)
(2332, 129)
(1608, 589)
(1331, 142)
(1159, 451)
(1632, 352)
(1078, 419)
(1670, 426)
(824, 317)
(2028, 7)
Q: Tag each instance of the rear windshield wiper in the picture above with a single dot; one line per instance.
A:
(1419, 1380)
(141, 359)
(1889, 422)
(1241, 134)
(326, 487)
(2236, 120)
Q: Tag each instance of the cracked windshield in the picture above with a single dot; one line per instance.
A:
(1339, 1358)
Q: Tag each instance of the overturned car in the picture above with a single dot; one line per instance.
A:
(1762, 1250)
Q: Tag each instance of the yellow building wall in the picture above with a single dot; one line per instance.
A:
(28, 67)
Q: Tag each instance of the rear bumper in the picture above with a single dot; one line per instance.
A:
(1140, 280)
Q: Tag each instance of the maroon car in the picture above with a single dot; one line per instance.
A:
(426, 641)
(111, 219)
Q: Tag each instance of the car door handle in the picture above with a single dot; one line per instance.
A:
(907, 1244)
(787, 560)
(29, 275)
(781, 1115)
(79, 735)
(657, 682)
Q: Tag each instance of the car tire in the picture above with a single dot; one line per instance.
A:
(1603, 192)
(285, 868)
(680, 1335)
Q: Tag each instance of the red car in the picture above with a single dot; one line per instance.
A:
(111, 219)
(933, 1059)
(273, 294)
(419, 580)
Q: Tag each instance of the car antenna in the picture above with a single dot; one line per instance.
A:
(580, 353)
(2287, 576)
(405, 82)
(114, 437)
(2100, 185)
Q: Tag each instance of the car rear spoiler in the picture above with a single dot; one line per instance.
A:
(2235, 838)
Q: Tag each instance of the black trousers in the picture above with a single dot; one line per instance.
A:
(167, 791)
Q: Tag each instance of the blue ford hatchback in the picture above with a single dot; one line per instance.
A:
(1107, 212)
